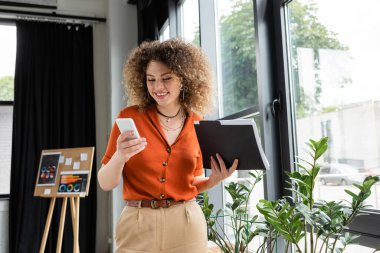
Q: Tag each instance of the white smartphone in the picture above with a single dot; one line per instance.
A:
(127, 124)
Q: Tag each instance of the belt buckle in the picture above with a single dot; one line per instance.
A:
(153, 204)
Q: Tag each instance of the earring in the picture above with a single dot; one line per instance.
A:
(182, 89)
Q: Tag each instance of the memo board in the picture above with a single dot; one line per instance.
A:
(64, 172)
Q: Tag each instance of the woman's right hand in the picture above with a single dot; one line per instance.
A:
(127, 147)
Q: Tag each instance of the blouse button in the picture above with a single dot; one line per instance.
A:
(162, 196)
(164, 164)
(162, 180)
(168, 149)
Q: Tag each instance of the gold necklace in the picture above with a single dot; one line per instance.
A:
(171, 129)
(168, 128)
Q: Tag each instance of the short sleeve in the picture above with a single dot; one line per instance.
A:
(111, 147)
(199, 171)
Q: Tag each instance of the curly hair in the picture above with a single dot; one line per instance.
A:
(184, 59)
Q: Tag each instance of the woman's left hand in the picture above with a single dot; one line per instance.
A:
(219, 171)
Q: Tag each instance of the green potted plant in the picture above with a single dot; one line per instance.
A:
(307, 226)
(314, 227)
(236, 212)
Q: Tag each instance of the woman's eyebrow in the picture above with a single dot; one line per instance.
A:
(161, 74)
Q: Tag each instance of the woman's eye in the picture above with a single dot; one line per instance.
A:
(167, 78)
(151, 80)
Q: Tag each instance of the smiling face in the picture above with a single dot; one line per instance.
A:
(163, 85)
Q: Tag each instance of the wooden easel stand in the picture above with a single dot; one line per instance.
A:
(74, 204)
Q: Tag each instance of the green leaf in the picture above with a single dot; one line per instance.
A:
(351, 193)
(311, 165)
(303, 196)
(320, 151)
(358, 186)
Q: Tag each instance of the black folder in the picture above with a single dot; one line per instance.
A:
(231, 139)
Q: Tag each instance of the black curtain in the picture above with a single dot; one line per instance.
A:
(151, 15)
(53, 108)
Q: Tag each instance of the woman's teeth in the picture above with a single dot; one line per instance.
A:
(161, 94)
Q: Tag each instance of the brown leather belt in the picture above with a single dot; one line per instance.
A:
(154, 203)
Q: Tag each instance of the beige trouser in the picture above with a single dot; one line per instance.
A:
(178, 229)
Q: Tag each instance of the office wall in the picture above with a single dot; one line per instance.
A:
(122, 38)
(102, 87)
(84, 7)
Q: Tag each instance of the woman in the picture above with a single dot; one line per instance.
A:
(162, 171)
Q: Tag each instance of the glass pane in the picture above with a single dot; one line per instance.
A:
(190, 21)
(237, 56)
(334, 70)
(6, 120)
(7, 61)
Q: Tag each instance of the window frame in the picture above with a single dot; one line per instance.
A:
(272, 183)
(265, 79)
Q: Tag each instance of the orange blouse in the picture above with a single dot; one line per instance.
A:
(160, 171)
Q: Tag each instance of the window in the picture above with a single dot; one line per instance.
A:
(333, 76)
(335, 85)
(7, 69)
(237, 56)
(230, 46)
(189, 11)
(238, 80)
